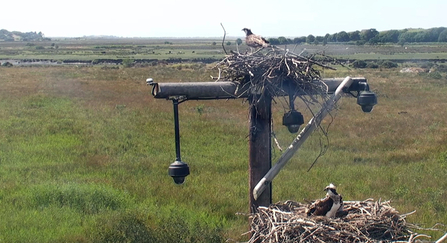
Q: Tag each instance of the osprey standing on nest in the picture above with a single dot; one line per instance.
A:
(253, 40)
(328, 206)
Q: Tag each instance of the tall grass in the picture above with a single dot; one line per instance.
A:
(84, 155)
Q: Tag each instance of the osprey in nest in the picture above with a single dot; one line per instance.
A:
(253, 40)
(330, 206)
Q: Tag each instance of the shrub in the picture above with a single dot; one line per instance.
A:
(389, 64)
(128, 62)
(127, 228)
(6, 64)
(372, 65)
(359, 64)
(435, 75)
(441, 68)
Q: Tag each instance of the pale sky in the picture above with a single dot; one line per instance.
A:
(202, 18)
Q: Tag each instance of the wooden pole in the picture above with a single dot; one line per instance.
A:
(259, 148)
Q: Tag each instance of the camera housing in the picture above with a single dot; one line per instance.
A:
(178, 171)
(293, 120)
(367, 100)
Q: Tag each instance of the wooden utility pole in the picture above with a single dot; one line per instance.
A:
(259, 148)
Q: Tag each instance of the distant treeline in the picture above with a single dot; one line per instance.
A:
(370, 36)
(20, 36)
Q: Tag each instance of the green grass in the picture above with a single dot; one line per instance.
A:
(198, 49)
(84, 153)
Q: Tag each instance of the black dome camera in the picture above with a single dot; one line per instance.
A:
(293, 120)
(367, 100)
(178, 171)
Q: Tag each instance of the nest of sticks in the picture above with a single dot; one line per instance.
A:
(274, 72)
(365, 221)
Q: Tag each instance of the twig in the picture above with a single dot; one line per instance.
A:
(223, 39)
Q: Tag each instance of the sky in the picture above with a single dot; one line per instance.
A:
(203, 18)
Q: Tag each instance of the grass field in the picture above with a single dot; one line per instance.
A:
(84, 153)
(144, 49)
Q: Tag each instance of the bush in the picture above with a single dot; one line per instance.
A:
(126, 228)
(128, 62)
(6, 64)
(435, 75)
(372, 65)
(389, 64)
(359, 64)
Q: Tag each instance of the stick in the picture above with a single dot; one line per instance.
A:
(223, 39)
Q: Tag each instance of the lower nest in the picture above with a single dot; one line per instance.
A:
(362, 221)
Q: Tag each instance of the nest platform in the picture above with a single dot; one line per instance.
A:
(363, 221)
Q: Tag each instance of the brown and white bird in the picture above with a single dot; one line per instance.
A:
(328, 206)
(253, 40)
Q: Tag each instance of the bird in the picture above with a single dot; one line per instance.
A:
(328, 206)
(253, 40)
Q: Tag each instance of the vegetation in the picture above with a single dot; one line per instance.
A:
(20, 36)
(372, 36)
(154, 51)
(84, 150)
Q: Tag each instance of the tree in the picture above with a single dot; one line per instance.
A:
(367, 35)
(342, 36)
(299, 40)
(443, 36)
(273, 41)
(310, 39)
(238, 41)
(407, 37)
(333, 37)
(435, 32)
(422, 36)
(282, 40)
(354, 36)
(389, 36)
(319, 38)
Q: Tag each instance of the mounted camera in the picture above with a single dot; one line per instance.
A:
(367, 100)
(178, 171)
(293, 120)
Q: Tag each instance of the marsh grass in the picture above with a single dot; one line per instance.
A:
(84, 153)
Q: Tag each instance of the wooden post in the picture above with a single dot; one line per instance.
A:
(259, 148)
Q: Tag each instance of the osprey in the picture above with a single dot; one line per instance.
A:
(253, 40)
(328, 206)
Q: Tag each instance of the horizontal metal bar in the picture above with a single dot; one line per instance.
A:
(226, 89)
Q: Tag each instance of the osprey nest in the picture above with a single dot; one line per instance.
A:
(273, 71)
(365, 221)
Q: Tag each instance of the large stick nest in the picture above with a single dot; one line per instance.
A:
(365, 221)
(274, 72)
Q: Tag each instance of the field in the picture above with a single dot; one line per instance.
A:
(204, 50)
(84, 152)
